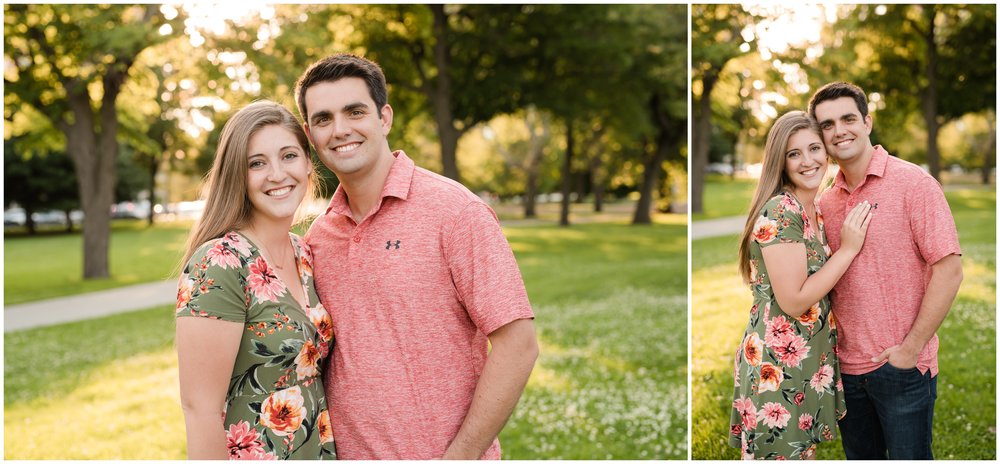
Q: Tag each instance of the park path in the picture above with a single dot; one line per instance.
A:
(717, 227)
(132, 298)
(88, 305)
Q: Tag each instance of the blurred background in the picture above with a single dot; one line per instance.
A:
(570, 120)
(930, 75)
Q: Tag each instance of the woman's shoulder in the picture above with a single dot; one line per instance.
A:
(781, 204)
(225, 251)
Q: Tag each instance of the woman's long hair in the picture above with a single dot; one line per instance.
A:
(773, 178)
(227, 202)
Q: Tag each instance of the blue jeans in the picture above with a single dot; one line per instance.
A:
(890, 413)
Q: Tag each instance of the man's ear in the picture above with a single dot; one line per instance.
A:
(868, 123)
(305, 127)
(386, 113)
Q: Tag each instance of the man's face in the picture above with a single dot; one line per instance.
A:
(845, 132)
(344, 125)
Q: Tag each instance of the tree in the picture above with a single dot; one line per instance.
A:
(39, 182)
(938, 60)
(715, 40)
(70, 63)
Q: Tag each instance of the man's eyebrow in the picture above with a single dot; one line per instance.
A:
(319, 114)
(355, 106)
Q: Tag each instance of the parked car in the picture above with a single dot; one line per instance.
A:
(14, 217)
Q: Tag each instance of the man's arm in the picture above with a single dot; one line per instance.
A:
(946, 276)
(513, 354)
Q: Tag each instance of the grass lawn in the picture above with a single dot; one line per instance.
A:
(965, 413)
(725, 197)
(49, 266)
(610, 381)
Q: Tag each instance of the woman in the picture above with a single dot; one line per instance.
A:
(251, 333)
(788, 394)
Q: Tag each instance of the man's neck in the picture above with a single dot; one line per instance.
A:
(856, 169)
(364, 189)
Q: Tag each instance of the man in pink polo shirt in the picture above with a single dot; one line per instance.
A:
(418, 277)
(897, 291)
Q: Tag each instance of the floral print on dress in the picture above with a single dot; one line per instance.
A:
(275, 404)
(787, 390)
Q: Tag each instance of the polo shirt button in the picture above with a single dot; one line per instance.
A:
(357, 239)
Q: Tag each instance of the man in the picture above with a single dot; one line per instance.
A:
(417, 275)
(897, 291)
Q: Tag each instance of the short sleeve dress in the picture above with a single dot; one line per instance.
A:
(788, 395)
(275, 406)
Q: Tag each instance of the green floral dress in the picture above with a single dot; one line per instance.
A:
(275, 405)
(788, 394)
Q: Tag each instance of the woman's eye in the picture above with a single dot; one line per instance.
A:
(290, 155)
(256, 164)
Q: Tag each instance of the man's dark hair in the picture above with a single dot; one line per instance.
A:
(336, 67)
(835, 90)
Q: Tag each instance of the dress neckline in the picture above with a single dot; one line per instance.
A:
(296, 249)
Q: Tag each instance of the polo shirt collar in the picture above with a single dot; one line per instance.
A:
(876, 167)
(397, 184)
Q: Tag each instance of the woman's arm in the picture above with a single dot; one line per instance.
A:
(794, 289)
(206, 351)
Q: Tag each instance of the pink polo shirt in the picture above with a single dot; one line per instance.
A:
(413, 290)
(878, 298)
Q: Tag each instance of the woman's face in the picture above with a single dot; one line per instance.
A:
(805, 160)
(277, 173)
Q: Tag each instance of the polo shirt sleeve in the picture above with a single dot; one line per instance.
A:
(931, 222)
(780, 221)
(210, 285)
(484, 271)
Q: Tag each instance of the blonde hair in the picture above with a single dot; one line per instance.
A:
(227, 202)
(773, 178)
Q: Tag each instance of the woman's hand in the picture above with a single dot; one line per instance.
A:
(852, 234)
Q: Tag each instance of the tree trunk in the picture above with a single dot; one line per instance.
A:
(929, 102)
(94, 160)
(69, 221)
(989, 155)
(28, 221)
(702, 131)
(567, 176)
(653, 164)
(582, 179)
(531, 183)
(598, 181)
(440, 96)
(154, 167)
(650, 178)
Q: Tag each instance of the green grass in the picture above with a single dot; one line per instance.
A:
(49, 266)
(965, 413)
(610, 381)
(724, 197)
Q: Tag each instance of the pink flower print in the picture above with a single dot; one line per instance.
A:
(840, 385)
(791, 350)
(321, 319)
(774, 415)
(263, 282)
(747, 411)
(307, 362)
(184, 286)
(753, 349)
(764, 230)
(244, 442)
(237, 242)
(805, 422)
(770, 377)
(799, 398)
(776, 330)
(222, 256)
(811, 315)
(789, 203)
(822, 379)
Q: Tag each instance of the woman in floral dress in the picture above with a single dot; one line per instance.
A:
(788, 395)
(252, 336)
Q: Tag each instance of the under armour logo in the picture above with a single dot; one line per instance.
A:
(389, 244)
